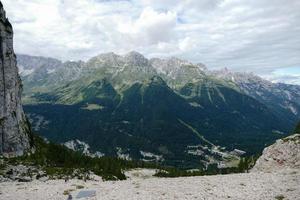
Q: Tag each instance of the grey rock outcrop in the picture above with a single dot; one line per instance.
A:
(284, 155)
(14, 128)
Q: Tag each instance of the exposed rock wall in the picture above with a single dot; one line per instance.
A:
(283, 155)
(14, 129)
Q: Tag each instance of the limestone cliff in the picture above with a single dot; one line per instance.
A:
(14, 129)
(282, 156)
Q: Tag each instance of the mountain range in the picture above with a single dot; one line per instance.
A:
(164, 110)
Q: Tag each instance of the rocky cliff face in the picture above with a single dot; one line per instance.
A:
(14, 129)
(283, 155)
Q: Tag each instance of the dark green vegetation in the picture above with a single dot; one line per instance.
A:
(59, 161)
(230, 118)
(153, 118)
(245, 164)
(280, 197)
(122, 105)
(297, 129)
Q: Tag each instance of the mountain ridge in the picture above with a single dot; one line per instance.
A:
(118, 104)
(111, 55)
(125, 70)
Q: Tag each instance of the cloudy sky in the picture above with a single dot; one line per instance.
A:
(261, 36)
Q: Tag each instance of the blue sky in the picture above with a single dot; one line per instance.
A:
(259, 36)
(289, 75)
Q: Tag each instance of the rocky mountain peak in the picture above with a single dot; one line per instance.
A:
(202, 66)
(108, 57)
(250, 83)
(238, 77)
(136, 59)
(4, 20)
(29, 64)
(2, 13)
(134, 54)
(14, 129)
(167, 63)
(174, 67)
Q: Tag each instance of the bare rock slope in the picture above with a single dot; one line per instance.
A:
(14, 129)
(284, 155)
(140, 185)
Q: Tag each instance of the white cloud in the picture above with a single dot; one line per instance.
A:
(291, 79)
(290, 75)
(150, 28)
(242, 35)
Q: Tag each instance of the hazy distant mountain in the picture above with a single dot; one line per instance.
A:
(169, 109)
(282, 99)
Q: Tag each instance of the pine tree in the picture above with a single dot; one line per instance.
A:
(297, 129)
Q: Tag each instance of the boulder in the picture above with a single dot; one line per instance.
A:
(284, 155)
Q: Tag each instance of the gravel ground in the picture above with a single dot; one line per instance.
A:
(141, 185)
